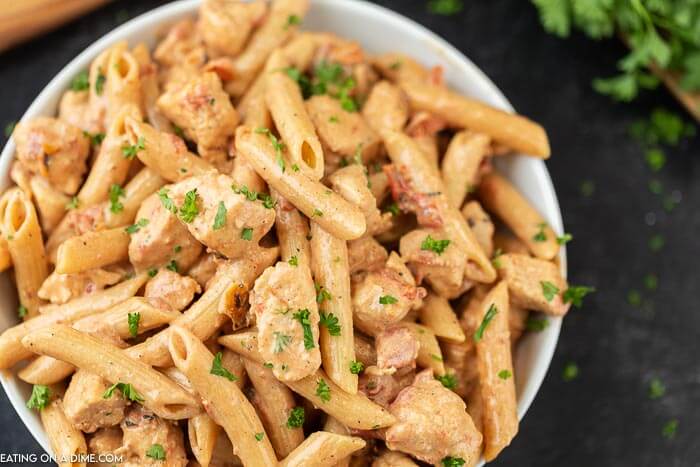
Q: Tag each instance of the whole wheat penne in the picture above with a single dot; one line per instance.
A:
(323, 449)
(50, 202)
(122, 84)
(437, 314)
(286, 104)
(500, 197)
(202, 432)
(312, 198)
(386, 107)
(329, 263)
(512, 130)
(274, 402)
(429, 352)
(5, 258)
(227, 405)
(67, 442)
(20, 227)
(461, 163)
(92, 250)
(292, 232)
(159, 393)
(11, 349)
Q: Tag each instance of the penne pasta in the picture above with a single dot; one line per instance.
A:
(429, 352)
(202, 432)
(92, 250)
(323, 449)
(437, 314)
(50, 203)
(67, 442)
(461, 164)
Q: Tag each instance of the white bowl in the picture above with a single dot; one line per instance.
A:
(378, 30)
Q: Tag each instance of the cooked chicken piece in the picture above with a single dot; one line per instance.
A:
(163, 239)
(334, 49)
(204, 269)
(396, 348)
(386, 107)
(384, 296)
(203, 110)
(53, 149)
(74, 110)
(171, 290)
(225, 26)
(284, 303)
(534, 283)
(444, 270)
(379, 387)
(432, 423)
(351, 183)
(181, 47)
(60, 288)
(393, 459)
(225, 221)
(411, 199)
(341, 132)
(85, 220)
(366, 254)
(480, 223)
(105, 441)
(364, 350)
(85, 405)
(142, 430)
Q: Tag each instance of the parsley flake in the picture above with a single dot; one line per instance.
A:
(220, 218)
(450, 461)
(116, 192)
(247, 233)
(504, 374)
(133, 320)
(436, 246)
(570, 372)
(549, 290)
(296, 418)
(330, 321)
(490, 313)
(189, 209)
(356, 367)
(448, 380)
(130, 151)
(217, 368)
(39, 398)
(73, 203)
(575, 294)
(281, 341)
(81, 82)
(303, 317)
(166, 201)
(156, 452)
(323, 391)
(127, 390)
(387, 300)
(293, 261)
(132, 229)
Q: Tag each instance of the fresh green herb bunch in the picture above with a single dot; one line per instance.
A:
(662, 33)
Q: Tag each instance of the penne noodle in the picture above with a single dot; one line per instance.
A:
(226, 403)
(202, 432)
(141, 186)
(5, 257)
(509, 129)
(159, 393)
(429, 352)
(329, 263)
(274, 402)
(286, 105)
(461, 164)
(122, 81)
(20, 227)
(11, 348)
(323, 449)
(67, 442)
(500, 197)
(317, 202)
(50, 202)
(92, 250)
(292, 231)
(437, 314)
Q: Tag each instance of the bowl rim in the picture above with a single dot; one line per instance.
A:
(156, 18)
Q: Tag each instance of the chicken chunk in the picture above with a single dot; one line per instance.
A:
(226, 221)
(432, 423)
(379, 387)
(411, 199)
(53, 149)
(396, 348)
(142, 430)
(181, 47)
(203, 110)
(85, 405)
(393, 459)
(386, 107)
(534, 283)
(351, 183)
(444, 270)
(225, 26)
(162, 240)
(366, 254)
(284, 303)
(204, 269)
(105, 441)
(171, 290)
(384, 296)
(60, 288)
(481, 225)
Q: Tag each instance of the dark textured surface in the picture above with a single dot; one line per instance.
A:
(605, 416)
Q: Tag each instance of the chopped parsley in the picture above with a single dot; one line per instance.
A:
(172, 266)
(445, 8)
(115, 192)
(247, 233)
(152, 272)
(656, 243)
(634, 298)
(254, 196)
(436, 246)
(570, 372)
(166, 201)
(655, 159)
(292, 20)
(127, 390)
(177, 249)
(323, 391)
(293, 261)
(281, 341)
(330, 321)
(504, 374)
(178, 131)
(73, 203)
(322, 294)
(549, 290)
(393, 208)
(156, 452)
(22, 311)
(450, 461)
(448, 380)
(333, 119)
(277, 144)
(575, 294)
(130, 151)
(220, 218)
(356, 367)
(303, 317)
(39, 398)
(81, 82)
(95, 138)
(217, 368)
(657, 389)
(259, 436)
(435, 357)
(132, 229)
(564, 239)
(587, 188)
(9, 128)
(133, 320)
(669, 429)
(100, 82)
(296, 418)
(651, 282)
(387, 300)
(189, 209)
(490, 313)
(317, 213)
(536, 324)
(540, 236)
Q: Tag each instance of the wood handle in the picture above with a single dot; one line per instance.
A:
(24, 19)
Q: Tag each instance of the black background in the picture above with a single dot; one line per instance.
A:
(605, 416)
